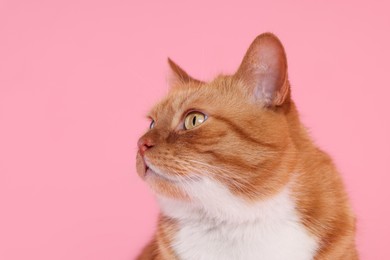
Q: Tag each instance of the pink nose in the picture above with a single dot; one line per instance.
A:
(144, 144)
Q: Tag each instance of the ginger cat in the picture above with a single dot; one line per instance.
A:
(236, 174)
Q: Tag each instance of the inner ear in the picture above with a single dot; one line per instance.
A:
(264, 70)
(179, 75)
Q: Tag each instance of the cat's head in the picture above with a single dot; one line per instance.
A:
(233, 132)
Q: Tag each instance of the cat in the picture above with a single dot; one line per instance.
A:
(236, 174)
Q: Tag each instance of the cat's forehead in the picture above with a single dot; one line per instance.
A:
(219, 96)
(183, 97)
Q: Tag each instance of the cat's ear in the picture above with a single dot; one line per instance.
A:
(264, 70)
(178, 75)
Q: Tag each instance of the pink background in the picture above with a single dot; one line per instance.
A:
(77, 78)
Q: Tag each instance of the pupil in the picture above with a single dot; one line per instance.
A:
(194, 120)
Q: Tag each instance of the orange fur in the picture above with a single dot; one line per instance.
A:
(258, 144)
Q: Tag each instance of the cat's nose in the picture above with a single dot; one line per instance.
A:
(144, 144)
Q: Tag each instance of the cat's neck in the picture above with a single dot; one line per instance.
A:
(217, 205)
(257, 230)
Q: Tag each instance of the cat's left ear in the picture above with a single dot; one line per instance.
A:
(178, 75)
(264, 71)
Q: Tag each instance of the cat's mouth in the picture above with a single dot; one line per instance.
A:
(150, 172)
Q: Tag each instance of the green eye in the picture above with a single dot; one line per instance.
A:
(194, 119)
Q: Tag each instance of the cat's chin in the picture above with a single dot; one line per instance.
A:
(149, 173)
(165, 185)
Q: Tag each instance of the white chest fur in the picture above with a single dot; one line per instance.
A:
(220, 225)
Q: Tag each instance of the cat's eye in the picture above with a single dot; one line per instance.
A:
(151, 124)
(194, 119)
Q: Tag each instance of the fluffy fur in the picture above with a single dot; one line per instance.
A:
(247, 183)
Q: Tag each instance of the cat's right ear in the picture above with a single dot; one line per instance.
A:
(264, 71)
(178, 75)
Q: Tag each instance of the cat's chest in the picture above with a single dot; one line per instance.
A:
(270, 229)
(220, 225)
(269, 241)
